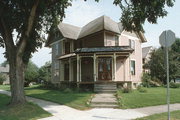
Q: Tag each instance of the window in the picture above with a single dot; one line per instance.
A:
(67, 47)
(132, 44)
(56, 49)
(56, 65)
(132, 67)
(116, 40)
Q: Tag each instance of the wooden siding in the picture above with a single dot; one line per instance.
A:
(95, 40)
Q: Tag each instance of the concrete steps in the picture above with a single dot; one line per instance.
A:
(104, 100)
(105, 87)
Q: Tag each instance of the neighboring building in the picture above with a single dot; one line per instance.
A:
(99, 52)
(5, 72)
(146, 54)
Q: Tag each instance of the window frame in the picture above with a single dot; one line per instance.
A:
(133, 67)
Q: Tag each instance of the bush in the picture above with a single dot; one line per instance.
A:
(126, 90)
(146, 78)
(67, 90)
(2, 78)
(141, 89)
(174, 85)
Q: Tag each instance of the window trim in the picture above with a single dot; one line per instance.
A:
(134, 73)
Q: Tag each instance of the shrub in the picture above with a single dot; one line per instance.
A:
(141, 89)
(126, 90)
(146, 78)
(174, 85)
(67, 90)
(2, 78)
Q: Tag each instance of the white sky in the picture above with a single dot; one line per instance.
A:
(80, 13)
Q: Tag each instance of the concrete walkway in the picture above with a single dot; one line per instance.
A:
(62, 112)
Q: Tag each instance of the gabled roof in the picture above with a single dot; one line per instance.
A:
(145, 51)
(101, 23)
(69, 31)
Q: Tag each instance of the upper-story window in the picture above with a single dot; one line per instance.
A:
(56, 49)
(67, 48)
(132, 44)
(116, 40)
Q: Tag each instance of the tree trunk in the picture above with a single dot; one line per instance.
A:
(17, 81)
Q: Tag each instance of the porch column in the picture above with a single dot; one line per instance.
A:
(124, 66)
(70, 70)
(61, 70)
(77, 68)
(80, 69)
(94, 64)
(114, 75)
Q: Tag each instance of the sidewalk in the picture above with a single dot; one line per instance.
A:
(62, 112)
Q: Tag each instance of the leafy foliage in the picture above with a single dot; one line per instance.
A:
(157, 63)
(126, 90)
(31, 73)
(174, 85)
(2, 78)
(136, 12)
(48, 13)
(21, 34)
(146, 78)
(45, 72)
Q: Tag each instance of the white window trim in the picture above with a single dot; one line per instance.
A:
(134, 66)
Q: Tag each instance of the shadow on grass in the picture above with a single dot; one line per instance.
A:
(27, 111)
(73, 99)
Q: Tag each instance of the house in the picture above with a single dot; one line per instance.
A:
(99, 52)
(5, 71)
(146, 54)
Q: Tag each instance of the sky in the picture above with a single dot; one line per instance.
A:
(80, 13)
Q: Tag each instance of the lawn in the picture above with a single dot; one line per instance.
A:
(175, 115)
(5, 87)
(74, 99)
(153, 96)
(27, 111)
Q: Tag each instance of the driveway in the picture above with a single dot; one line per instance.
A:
(62, 112)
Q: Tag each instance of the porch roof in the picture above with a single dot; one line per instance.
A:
(105, 49)
(67, 56)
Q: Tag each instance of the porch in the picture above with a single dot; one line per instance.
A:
(95, 65)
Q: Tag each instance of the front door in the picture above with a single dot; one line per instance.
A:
(105, 68)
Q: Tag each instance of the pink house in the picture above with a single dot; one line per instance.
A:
(101, 52)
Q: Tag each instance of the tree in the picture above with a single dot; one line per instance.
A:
(136, 12)
(27, 18)
(2, 78)
(45, 72)
(157, 63)
(31, 73)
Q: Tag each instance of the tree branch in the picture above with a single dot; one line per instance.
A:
(7, 38)
(24, 38)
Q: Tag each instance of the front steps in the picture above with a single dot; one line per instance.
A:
(105, 87)
(105, 97)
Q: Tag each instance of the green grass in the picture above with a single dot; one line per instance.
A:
(175, 115)
(26, 111)
(76, 100)
(5, 87)
(153, 96)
